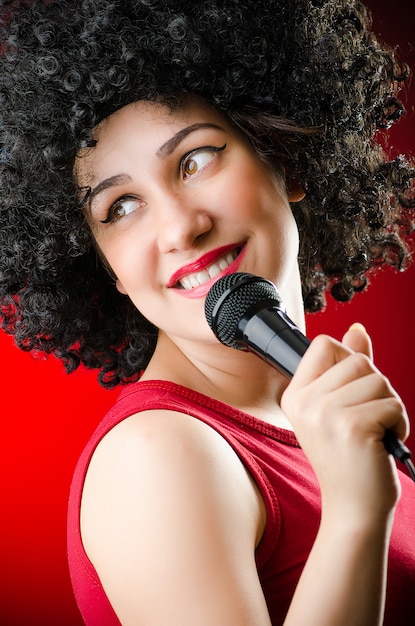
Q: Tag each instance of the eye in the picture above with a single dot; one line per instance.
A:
(121, 208)
(196, 160)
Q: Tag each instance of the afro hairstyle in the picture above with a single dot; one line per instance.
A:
(307, 82)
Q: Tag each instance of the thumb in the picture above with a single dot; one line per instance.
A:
(357, 339)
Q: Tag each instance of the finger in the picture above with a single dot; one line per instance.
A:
(378, 415)
(355, 367)
(322, 354)
(359, 389)
(358, 340)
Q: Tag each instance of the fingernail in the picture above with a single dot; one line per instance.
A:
(358, 326)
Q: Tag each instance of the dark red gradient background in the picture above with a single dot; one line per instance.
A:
(47, 416)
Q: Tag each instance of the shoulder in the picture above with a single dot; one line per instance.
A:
(161, 487)
(156, 450)
(163, 441)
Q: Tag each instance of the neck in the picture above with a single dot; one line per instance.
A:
(237, 378)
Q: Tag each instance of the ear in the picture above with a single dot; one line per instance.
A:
(295, 192)
(120, 287)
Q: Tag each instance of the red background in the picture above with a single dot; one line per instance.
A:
(47, 416)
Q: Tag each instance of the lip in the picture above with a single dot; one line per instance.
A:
(203, 262)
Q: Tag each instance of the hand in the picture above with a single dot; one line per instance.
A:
(340, 405)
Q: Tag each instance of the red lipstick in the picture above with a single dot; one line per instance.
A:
(202, 263)
(207, 259)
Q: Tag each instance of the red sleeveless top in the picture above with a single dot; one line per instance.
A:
(290, 492)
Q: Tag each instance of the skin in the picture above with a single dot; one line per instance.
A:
(167, 505)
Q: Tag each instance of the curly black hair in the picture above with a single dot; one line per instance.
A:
(306, 81)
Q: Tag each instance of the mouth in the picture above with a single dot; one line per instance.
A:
(200, 278)
(206, 269)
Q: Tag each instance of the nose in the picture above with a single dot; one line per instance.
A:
(180, 223)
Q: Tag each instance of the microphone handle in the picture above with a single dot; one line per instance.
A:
(282, 345)
(272, 336)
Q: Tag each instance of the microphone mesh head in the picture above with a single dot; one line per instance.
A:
(230, 298)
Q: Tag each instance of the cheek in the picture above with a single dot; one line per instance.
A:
(134, 265)
(258, 200)
(127, 260)
(252, 191)
(249, 190)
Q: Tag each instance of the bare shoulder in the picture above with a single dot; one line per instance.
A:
(165, 446)
(167, 506)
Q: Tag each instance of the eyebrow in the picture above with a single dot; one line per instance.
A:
(165, 150)
(112, 181)
(171, 144)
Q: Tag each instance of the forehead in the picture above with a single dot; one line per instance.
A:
(149, 125)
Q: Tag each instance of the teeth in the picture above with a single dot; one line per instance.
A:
(223, 263)
(194, 280)
(214, 270)
(201, 277)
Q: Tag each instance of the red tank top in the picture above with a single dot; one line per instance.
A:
(290, 492)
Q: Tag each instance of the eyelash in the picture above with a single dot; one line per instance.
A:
(189, 155)
(183, 162)
(111, 213)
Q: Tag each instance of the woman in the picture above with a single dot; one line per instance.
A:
(149, 149)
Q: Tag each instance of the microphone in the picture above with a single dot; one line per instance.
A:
(246, 312)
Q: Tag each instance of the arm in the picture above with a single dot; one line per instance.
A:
(340, 406)
(170, 519)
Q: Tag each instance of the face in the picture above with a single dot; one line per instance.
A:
(179, 198)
